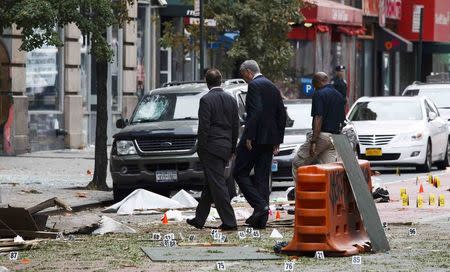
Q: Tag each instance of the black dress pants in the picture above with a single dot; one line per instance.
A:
(256, 190)
(214, 191)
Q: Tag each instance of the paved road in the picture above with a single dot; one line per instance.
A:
(388, 175)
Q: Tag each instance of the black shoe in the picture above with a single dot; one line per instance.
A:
(255, 214)
(260, 221)
(227, 228)
(194, 223)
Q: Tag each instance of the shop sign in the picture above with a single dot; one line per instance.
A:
(41, 68)
(340, 15)
(391, 9)
(442, 19)
(371, 8)
(416, 18)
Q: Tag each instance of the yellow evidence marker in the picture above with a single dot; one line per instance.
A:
(431, 200)
(441, 200)
(419, 203)
(402, 192)
(405, 200)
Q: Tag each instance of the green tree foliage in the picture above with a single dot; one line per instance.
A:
(39, 20)
(263, 26)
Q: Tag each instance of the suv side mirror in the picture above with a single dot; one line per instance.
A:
(121, 123)
(432, 116)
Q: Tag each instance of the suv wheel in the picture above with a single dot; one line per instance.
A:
(120, 194)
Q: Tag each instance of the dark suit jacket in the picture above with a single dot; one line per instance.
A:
(218, 125)
(266, 114)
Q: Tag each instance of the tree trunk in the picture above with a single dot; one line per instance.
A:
(101, 156)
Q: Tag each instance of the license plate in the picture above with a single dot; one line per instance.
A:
(274, 166)
(374, 152)
(166, 176)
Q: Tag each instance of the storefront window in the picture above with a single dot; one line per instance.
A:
(42, 78)
(84, 71)
(115, 69)
(140, 46)
(386, 73)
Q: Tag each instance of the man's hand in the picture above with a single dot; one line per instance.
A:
(232, 157)
(248, 143)
(312, 149)
(276, 149)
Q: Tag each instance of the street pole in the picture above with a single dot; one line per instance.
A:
(202, 38)
(419, 49)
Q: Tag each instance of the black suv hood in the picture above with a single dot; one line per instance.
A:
(184, 127)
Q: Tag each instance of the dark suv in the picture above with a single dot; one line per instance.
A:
(156, 148)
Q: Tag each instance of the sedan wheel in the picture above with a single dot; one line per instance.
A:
(426, 167)
(442, 165)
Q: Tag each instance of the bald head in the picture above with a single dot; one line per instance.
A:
(319, 80)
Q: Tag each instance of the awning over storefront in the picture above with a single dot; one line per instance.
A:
(176, 8)
(329, 12)
(391, 41)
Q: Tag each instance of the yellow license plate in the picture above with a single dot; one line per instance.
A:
(373, 152)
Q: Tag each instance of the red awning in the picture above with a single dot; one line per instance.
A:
(329, 12)
(351, 30)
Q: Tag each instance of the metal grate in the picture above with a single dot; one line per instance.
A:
(166, 144)
(375, 140)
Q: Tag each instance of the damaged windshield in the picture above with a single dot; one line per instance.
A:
(168, 107)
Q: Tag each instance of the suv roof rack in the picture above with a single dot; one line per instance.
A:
(234, 81)
(227, 82)
(178, 83)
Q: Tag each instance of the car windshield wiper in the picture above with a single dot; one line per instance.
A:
(143, 121)
(185, 118)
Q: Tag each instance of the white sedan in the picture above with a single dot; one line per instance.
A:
(404, 131)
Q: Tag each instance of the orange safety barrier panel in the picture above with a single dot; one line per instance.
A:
(326, 215)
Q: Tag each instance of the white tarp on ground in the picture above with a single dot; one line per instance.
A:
(276, 234)
(109, 225)
(184, 198)
(141, 199)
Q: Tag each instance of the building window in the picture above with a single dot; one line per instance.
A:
(140, 48)
(42, 78)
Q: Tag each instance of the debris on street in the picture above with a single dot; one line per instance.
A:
(109, 225)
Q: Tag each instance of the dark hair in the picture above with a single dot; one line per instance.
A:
(213, 77)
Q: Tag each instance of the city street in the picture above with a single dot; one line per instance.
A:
(52, 173)
(161, 135)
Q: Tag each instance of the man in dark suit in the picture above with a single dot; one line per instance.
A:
(264, 131)
(218, 129)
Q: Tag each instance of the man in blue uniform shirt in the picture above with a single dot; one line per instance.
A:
(328, 118)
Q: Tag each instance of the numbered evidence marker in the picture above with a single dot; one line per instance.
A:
(156, 236)
(170, 236)
(412, 232)
(356, 260)
(319, 255)
(221, 266)
(419, 203)
(13, 256)
(249, 230)
(289, 266)
(405, 200)
(431, 200)
(256, 234)
(241, 235)
(192, 238)
(169, 243)
(441, 200)
(213, 232)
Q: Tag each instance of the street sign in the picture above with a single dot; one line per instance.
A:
(307, 86)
